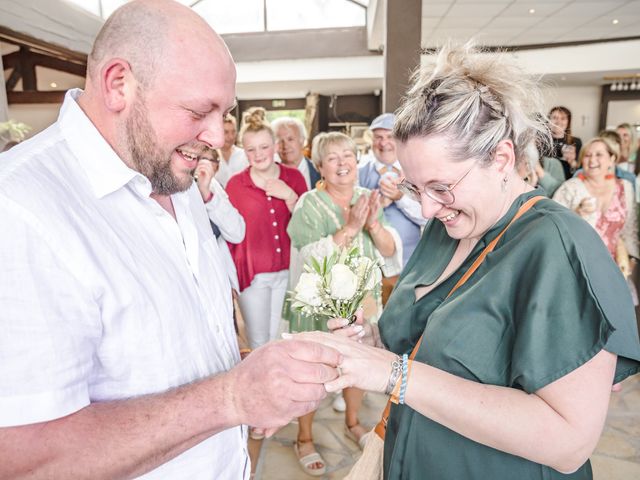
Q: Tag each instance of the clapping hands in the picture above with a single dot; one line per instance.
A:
(365, 211)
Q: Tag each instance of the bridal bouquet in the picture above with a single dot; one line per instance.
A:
(335, 285)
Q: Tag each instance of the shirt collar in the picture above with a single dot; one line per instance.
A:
(303, 167)
(379, 165)
(105, 170)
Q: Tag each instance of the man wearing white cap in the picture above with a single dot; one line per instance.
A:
(384, 173)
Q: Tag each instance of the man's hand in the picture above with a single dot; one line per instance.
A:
(282, 380)
(389, 188)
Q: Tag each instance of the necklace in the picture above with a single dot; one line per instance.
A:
(260, 179)
(345, 209)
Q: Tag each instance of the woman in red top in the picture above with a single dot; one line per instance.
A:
(264, 194)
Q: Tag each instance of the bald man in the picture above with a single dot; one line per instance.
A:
(118, 357)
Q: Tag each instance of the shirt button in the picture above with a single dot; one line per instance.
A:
(278, 250)
(275, 224)
(272, 211)
(269, 198)
(277, 237)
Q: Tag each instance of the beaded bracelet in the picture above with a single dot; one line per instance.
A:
(405, 376)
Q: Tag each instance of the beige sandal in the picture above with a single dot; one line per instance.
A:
(308, 460)
(352, 436)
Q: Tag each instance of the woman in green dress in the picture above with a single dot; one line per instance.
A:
(337, 213)
(513, 376)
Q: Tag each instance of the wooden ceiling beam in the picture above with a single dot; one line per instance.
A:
(13, 79)
(14, 59)
(21, 39)
(27, 70)
(35, 97)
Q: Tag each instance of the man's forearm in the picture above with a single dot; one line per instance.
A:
(120, 439)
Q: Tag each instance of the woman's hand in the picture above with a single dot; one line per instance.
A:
(374, 208)
(341, 326)
(274, 187)
(363, 366)
(587, 206)
(569, 155)
(358, 214)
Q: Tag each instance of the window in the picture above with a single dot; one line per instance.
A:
(244, 16)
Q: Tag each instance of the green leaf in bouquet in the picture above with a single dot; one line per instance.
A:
(331, 262)
(316, 266)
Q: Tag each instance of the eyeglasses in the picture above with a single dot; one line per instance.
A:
(435, 191)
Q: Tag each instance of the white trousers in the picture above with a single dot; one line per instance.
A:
(261, 304)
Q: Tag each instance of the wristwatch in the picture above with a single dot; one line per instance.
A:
(396, 372)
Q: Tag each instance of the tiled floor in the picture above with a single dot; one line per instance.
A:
(617, 456)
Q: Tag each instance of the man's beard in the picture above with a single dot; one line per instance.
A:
(146, 155)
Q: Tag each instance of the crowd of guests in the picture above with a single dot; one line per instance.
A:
(272, 209)
(598, 180)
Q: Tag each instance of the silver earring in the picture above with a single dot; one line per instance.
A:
(505, 180)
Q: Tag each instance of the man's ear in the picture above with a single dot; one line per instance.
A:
(117, 84)
(504, 158)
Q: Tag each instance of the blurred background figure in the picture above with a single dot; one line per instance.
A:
(546, 172)
(606, 202)
(233, 158)
(566, 147)
(620, 171)
(291, 137)
(265, 193)
(628, 147)
(226, 222)
(384, 173)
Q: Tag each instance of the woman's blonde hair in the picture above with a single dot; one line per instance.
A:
(255, 120)
(323, 141)
(476, 100)
(611, 146)
(228, 118)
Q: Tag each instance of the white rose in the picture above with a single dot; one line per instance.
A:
(344, 283)
(307, 289)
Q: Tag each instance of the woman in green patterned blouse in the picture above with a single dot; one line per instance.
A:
(336, 213)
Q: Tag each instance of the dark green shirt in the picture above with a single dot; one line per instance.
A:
(544, 302)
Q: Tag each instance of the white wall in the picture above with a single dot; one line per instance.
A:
(584, 103)
(37, 116)
(627, 111)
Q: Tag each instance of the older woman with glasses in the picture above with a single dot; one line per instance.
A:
(509, 325)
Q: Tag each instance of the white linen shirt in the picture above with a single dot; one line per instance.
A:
(104, 295)
(303, 168)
